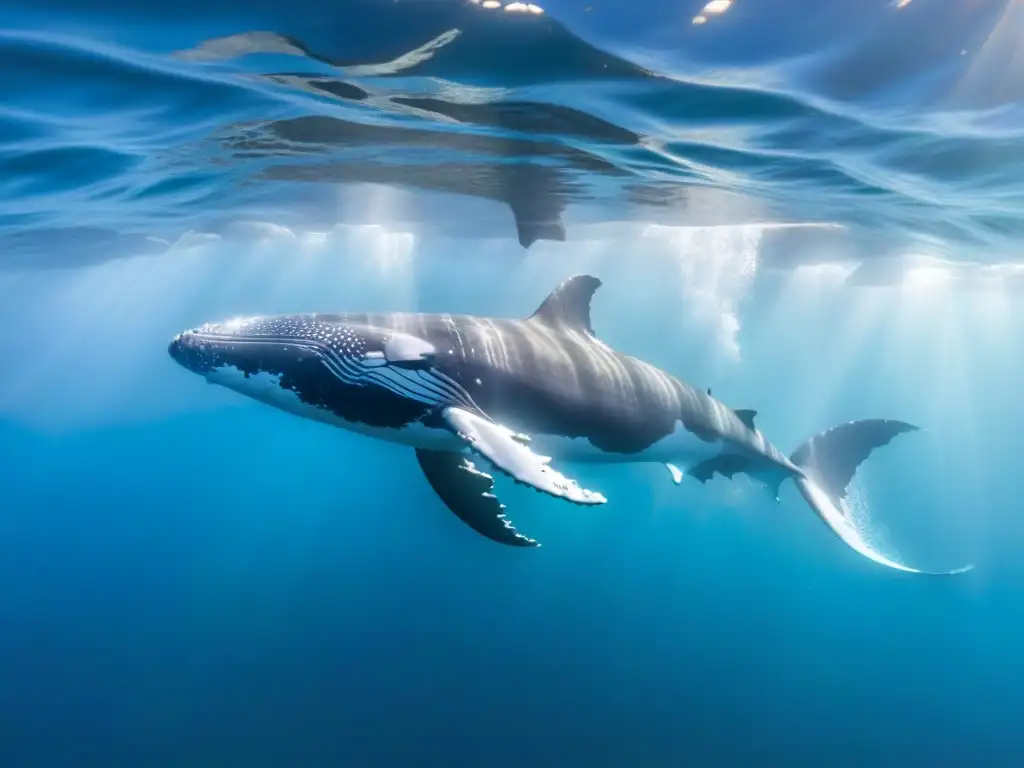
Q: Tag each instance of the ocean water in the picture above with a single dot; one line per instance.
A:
(813, 209)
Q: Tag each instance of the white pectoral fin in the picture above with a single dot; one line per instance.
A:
(676, 472)
(506, 450)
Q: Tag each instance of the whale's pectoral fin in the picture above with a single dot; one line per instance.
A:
(726, 465)
(506, 450)
(676, 472)
(467, 492)
(746, 416)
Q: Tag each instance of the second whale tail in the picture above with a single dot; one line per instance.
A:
(828, 462)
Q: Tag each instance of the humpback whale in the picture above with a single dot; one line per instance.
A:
(518, 394)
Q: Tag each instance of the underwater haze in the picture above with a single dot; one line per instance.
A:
(814, 210)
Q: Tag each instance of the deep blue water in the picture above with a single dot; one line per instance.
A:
(815, 209)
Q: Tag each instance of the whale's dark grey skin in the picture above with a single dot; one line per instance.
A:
(517, 392)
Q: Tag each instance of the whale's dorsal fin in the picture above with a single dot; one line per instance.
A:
(569, 304)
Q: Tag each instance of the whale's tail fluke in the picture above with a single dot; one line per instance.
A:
(828, 462)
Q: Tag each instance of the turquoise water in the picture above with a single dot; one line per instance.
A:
(191, 578)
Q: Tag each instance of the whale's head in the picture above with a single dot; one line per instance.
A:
(358, 371)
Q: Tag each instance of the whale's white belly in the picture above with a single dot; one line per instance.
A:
(266, 388)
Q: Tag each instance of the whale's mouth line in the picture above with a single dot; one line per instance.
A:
(431, 388)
